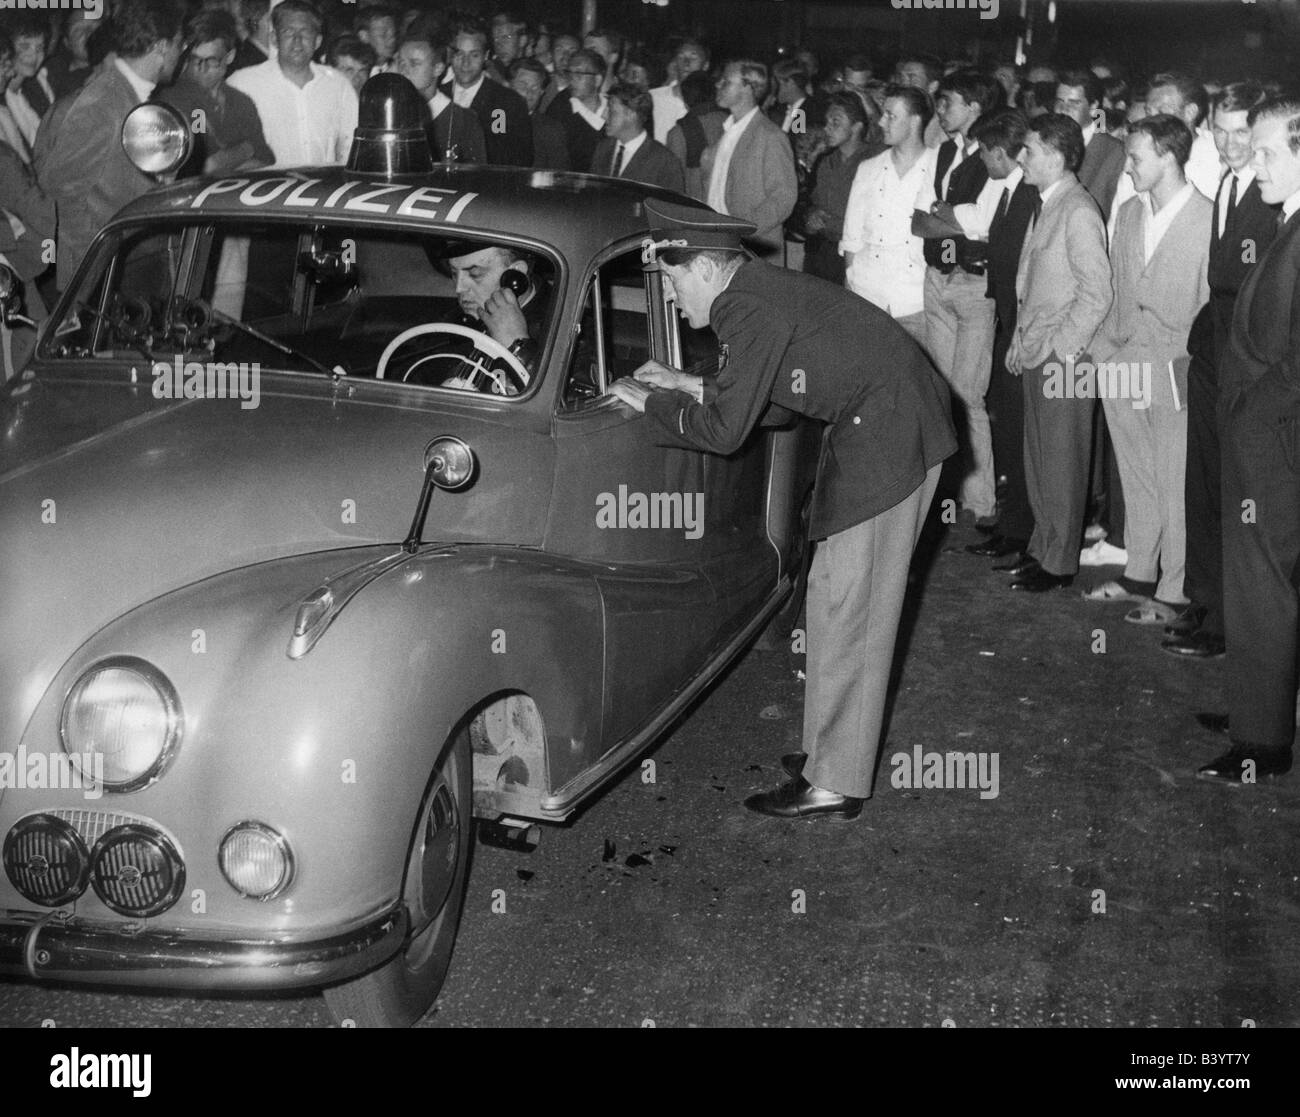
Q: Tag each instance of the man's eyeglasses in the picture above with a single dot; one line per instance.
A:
(581, 74)
(208, 62)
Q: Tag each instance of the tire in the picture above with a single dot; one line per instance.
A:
(403, 989)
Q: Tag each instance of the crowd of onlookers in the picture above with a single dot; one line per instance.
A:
(1067, 244)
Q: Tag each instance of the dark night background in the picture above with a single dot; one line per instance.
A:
(1209, 38)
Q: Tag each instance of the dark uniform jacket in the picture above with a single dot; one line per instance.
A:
(819, 350)
(455, 135)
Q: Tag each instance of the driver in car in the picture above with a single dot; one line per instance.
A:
(497, 293)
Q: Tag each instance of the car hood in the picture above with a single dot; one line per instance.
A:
(110, 498)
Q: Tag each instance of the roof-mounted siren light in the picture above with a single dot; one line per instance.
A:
(156, 138)
(390, 138)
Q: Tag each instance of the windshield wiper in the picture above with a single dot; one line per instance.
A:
(265, 339)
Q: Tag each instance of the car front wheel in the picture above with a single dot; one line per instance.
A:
(402, 990)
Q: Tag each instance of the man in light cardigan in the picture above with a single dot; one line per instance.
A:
(1159, 261)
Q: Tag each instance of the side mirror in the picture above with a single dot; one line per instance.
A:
(449, 463)
(156, 138)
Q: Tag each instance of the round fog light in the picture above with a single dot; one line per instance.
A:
(256, 861)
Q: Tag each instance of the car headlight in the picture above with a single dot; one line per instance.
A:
(122, 713)
(256, 861)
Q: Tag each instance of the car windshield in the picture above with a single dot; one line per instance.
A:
(310, 297)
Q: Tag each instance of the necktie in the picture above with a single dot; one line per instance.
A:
(1226, 215)
(35, 96)
(1001, 213)
(1038, 208)
(617, 166)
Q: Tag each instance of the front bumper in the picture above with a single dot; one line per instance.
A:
(52, 947)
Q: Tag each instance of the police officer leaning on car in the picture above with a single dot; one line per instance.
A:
(798, 343)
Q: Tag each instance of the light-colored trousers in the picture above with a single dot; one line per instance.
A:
(959, 326)
(1151, 451)
(856, 588)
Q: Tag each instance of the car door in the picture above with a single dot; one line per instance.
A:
(655, 518)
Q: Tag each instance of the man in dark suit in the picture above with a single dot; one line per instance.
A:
(1259, 429)
(82, 165)
(455, 134)
(529, 79)
(1078, 95)
(507, 131)
(628, 150)
(1241, 229)
(799, 344)
(1001, 138)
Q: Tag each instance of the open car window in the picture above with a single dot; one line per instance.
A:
(304, 297)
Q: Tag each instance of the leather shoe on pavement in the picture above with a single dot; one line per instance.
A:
(793, 762)
(1197, 644)
(1231, 767)
(1188, 621)
(1019, 564)
(799, 799)
(1039, 580)
(1215, 723)
(997, 546)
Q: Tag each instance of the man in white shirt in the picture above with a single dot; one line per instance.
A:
(669, 107)
(1183, 97)
(1159, 258)
(308, 111)
(884, 260)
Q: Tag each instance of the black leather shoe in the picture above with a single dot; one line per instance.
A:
(793, 763)
(1197, 644)
(1244, 764)
(799, 799)
(1039, 580)
(997, 546)
(1188, 621)
(1019, 564)
(1215, 723)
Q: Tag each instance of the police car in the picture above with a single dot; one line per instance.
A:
(308, 563)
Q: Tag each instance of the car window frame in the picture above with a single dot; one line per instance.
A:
(659, 333)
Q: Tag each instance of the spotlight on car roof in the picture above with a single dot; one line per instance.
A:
(156, 138)
(390, 137)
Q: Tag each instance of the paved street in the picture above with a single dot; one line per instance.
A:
(667, 902)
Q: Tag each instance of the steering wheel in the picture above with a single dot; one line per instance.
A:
(482, 342)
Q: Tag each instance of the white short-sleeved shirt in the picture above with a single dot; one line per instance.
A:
(885, 262)
(308, 125)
